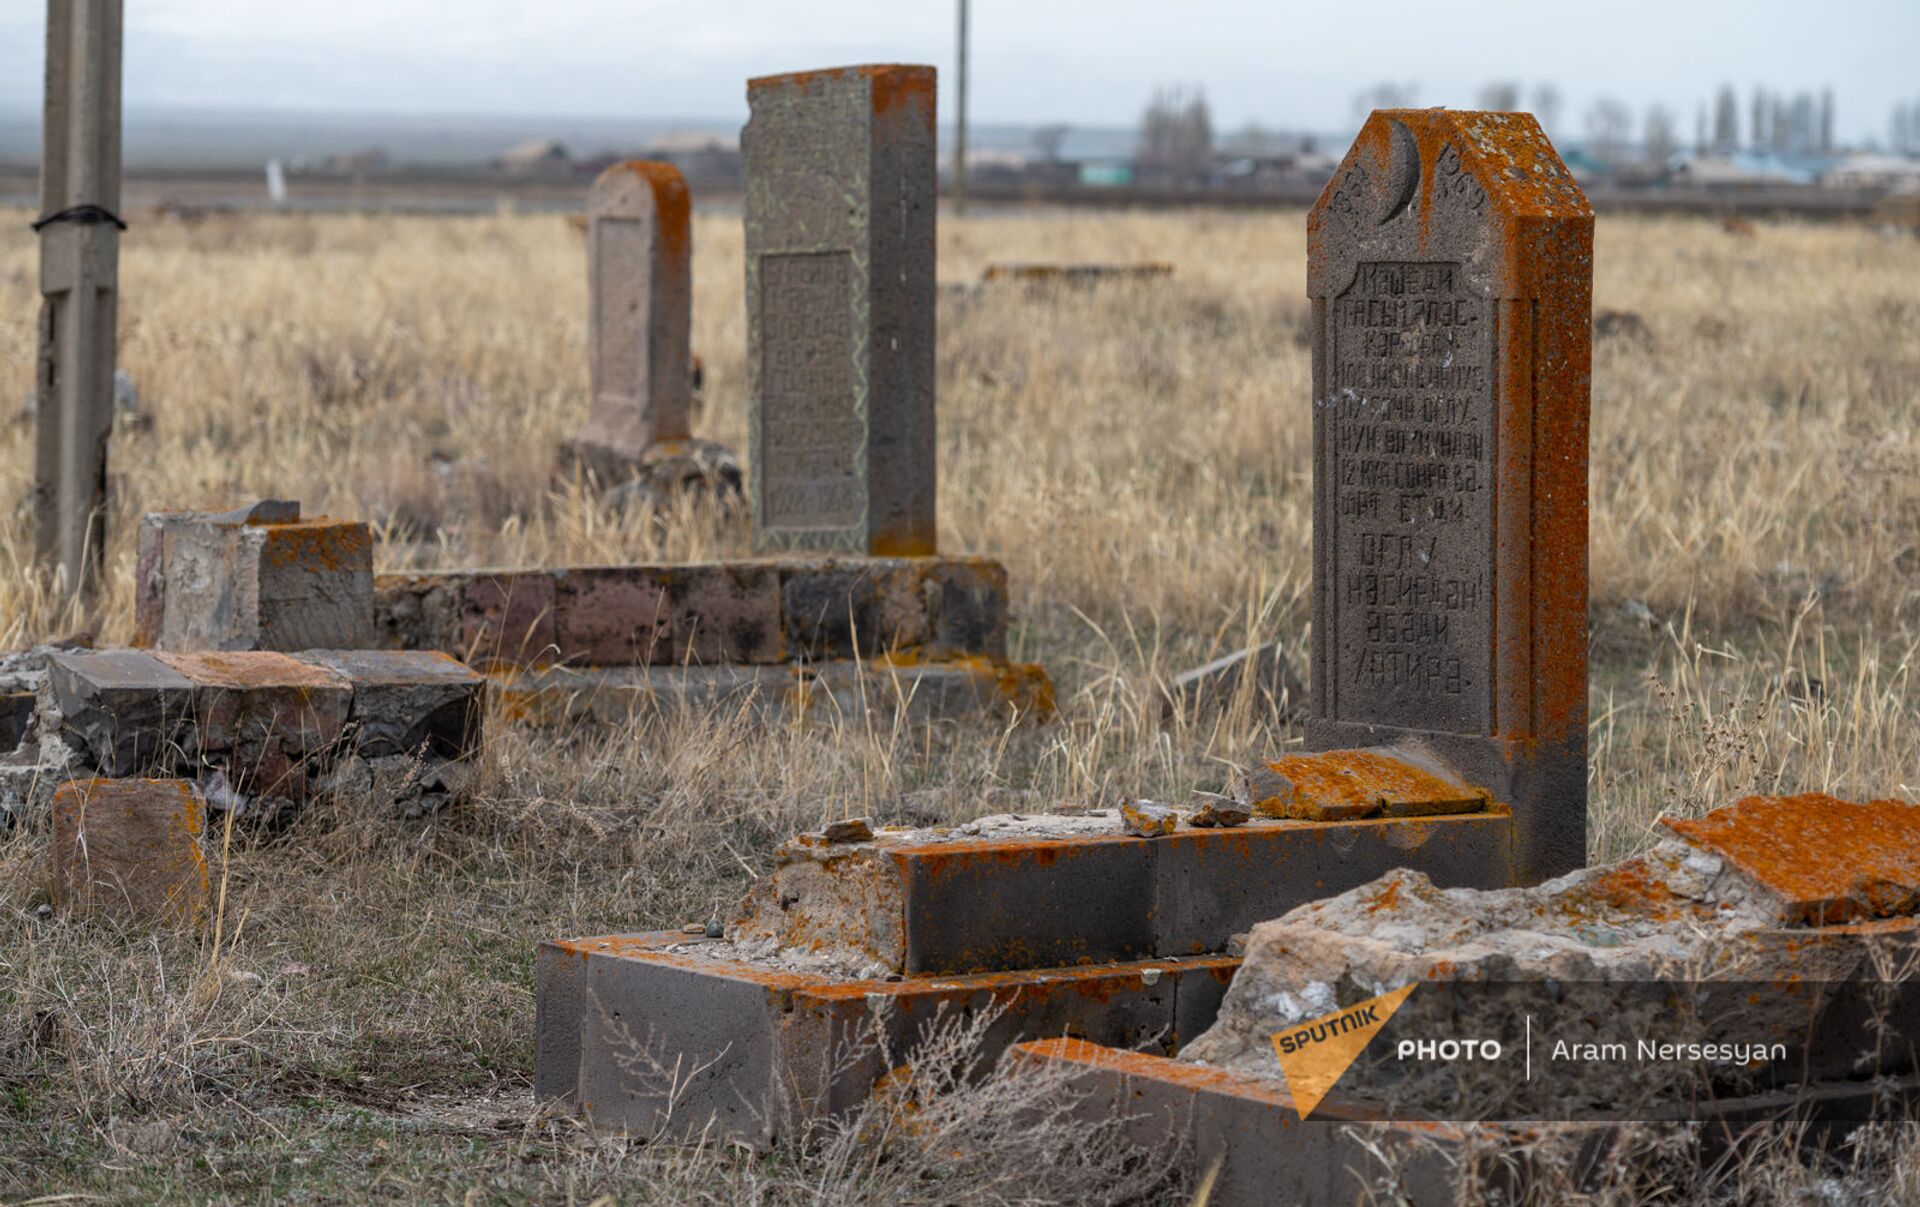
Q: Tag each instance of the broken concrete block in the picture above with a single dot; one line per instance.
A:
(125, 709)
(627, 1025)
(1341, 785)
(259, 578)
(409, 702)
(1247, 1134)
(129, 849)
(270, 718)
(1263, 674)
(16, 719)
(1145, 819)
(1016, 892)
(1824, 861)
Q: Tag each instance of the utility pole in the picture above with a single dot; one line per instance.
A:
(960, 124)
(79, 232)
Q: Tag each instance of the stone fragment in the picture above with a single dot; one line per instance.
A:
(1450, 263)
(129, 849)
(271, 719)
(839, 170)
(1825, 861)
(125, 710)
(851, 829)
(16, 719)
(409, 702)
(1145, 819)
(1346, 784)
(253, 579)
(1262, 673)
(1211, 809)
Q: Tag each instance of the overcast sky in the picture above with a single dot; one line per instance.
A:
(1091, 62)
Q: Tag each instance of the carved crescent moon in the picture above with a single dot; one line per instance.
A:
(1403, 170)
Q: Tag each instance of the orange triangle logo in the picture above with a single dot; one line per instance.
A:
(1314, 1054)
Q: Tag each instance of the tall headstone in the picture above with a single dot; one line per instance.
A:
(79, 284)
(840, 181)
(1450, 265)
(640, 307)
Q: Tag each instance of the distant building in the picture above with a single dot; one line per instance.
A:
(1743, 169)
(1887, 173)
(537, 156)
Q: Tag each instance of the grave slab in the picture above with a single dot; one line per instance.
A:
(258, 578)
(409, 702)
(125, 709)
(753, 612)
(1450, 268)
(129, 849)
(839, 170)
(1250, 1133)
(626, 1023)
(1024, 892)
(640, 307)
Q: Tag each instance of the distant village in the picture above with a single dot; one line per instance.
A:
(1766, 143)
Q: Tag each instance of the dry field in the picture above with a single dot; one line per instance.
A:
(359, 1021)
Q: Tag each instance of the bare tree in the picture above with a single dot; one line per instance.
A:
(1726, 119)
(1499, 95)
(1700, 138)
(1176, 134)
(1254, 139)
(1826, 121)
(1660, 140)
(1546, 106)
(1758, 136)
(1608, 124)
(1048, 140)
(1384, 95)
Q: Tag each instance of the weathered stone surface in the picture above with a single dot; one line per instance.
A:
(271, 719)
(1824, 860)
(1209, 809)
(1341, 785)
(1680, 912)
(851, 829)
(126, 709)
(1247, 1133)
(759, 1050)
(257, 578)
(16, 719)
(640, 307)
(818, 609)
(506, 619)
(1145, 819)
(839, 215)
(1261, 675)
(1450, 266)
(1026, 892)
(129, 849)
(409, 702)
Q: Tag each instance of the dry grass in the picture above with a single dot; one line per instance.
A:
(1137, 455)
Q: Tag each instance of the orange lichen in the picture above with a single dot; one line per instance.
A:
(1359, 779)
(1827, 860)
(250, 669)
(319, 543)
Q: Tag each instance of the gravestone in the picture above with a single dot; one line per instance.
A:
(839, 207)
(640, 307)
(1450, 266)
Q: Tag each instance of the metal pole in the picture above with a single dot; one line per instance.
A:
(960, 124)
(79, 230)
